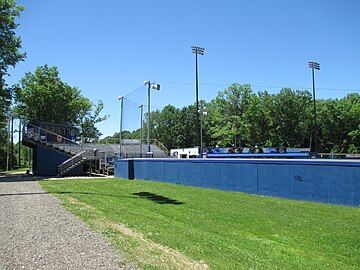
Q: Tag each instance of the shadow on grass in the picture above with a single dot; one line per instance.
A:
(157, 198)
(153, 197)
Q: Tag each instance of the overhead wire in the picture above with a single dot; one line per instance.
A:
(133, 91)
(268, 86)
(226, 84)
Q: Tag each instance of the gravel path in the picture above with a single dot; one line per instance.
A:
(37, 233)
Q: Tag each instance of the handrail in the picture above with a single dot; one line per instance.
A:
(161, 146)
(69, 163)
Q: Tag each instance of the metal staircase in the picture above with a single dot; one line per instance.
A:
(75, 161)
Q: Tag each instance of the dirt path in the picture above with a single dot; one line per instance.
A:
(37, 233)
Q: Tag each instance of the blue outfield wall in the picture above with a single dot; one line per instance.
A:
(330, 181)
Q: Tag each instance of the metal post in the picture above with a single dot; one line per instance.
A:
(201, 132)
(148, 123)
(121, 123)
(314, 100)
(141, 120)
(8, 147)
(19, 143)
(29, 161)
(12, 143)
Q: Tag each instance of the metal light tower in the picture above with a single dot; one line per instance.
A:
(154, 86)
(141, 120)
(197, 50)
(313, 66)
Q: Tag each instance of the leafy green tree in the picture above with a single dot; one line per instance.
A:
(339, 122)
(239, 117)
(165, 123)
(10, 55)
(88, 120)
(226, 112)
(291, 118)
(126, 134)
(257, 120)
(10, 47)
(43, 97)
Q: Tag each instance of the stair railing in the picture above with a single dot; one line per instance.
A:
(75, 161)
(161, 146)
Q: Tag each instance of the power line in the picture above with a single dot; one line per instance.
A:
(138, 104)
(133, 91)
(266, 86)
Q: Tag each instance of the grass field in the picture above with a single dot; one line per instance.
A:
(165, 226)
(16, 170)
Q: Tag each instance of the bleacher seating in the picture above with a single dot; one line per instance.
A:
(112, 150)
(105, 154)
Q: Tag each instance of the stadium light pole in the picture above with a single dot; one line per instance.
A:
(141, 117)
(154, 86)
(197, 50)
(121, 122)
(313, 66)
(202, 113)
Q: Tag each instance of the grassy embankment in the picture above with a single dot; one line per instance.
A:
(165, 226)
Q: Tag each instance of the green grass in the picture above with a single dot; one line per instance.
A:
(224, 230)
(16, 170)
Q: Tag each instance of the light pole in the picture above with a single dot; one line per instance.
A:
(197, 50)
(141, 115)
(154, 86)
(19, 163)
(121, 121)
(313, 66)
(202, 113)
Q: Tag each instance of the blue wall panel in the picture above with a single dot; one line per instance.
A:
(274, 180)
(47, 161)
(121, 169)
(324, 181)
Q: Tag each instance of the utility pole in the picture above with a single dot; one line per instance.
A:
(141, 120)
(148, 123)
(154, 86)
(197, 50)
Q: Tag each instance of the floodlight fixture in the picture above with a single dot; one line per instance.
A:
(198, 50)
(314, 65)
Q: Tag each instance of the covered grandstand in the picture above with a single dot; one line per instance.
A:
(60, 154)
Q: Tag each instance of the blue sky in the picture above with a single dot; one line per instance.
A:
(107, 48)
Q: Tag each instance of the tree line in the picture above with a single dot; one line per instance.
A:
(239, 117)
